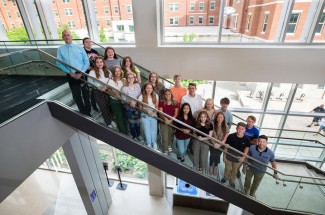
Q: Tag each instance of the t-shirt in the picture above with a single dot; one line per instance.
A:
(205, 130)
(102, 78)
(150, 103)
(180, 134)
(265, 156)
(168, 109)
(218, 134)
(319, 109)
(91, 54)
(111, 63)
(194, 101)
(237, 143)
(252, 133)
(178, 93)
(116, 85)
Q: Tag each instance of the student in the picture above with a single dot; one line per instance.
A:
(91, 54)
(224, 103)
(251, 131)
(110, 58)
(322, 126)
(132, 114)
(261, 153)
(117, 82)
(201, 149)
(220, 132)
(148, 119)
(128, 66)
(181, 134)
(209, 108)
(170, 107)
(178, 90)
(159, 88)
(192, 98)
(102, 98)
(240, 142)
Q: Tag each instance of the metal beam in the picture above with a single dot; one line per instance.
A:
(284, 20)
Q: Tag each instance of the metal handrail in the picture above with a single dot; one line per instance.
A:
(166, 115)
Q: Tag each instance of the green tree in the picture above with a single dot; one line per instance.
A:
(187, 38)
(102, 36)
(197, 82)
(66, 27)
(17, 34)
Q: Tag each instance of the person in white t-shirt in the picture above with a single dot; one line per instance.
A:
(322, 126)
(192, 98)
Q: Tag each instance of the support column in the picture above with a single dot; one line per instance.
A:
(156, 179)
(82, 154)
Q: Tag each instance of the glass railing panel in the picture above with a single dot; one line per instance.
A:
(308, 197)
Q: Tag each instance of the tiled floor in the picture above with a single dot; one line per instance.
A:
(52, 193)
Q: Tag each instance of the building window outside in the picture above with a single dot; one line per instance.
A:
(173, 21)
(68, 11)
(116, 10)
(97, 21)
(17, 14)
(320, 24)
(13, 26)
(293, 23)
(131, 28)
(248, 22)
(120, 27)
(192, 6)
(13, 2)
(106, 10)
(96, 12)
(234, 26)
(65, 1)
(211, 19)
(56, 12)
(108, 23)
(129, 8)
(59, 24)
(266, 17)
(173, 7)
(9, 15)
(53, 1)
(191, 20)
(71, 24)
(201, 7)
(200, 19)
(4, 3)
(212, 5)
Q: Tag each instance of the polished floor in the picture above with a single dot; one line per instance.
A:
(53, 193)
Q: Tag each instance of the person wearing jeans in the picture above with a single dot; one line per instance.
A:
(181, 134)
(148, 117)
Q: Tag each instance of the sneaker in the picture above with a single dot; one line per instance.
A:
(232, 184)
(178, 157)
(170, 149)
(113, 124)
(223, 180)
(182, 160)
(308, 126)
(253, 195)
(238, 174)
(140, 138)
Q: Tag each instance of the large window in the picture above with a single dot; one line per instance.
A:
(211, 19)
(173, 21)
(192, 6)
(201, 6)
(173, 7)
(68, 12)
(212, 5)
(191, 21)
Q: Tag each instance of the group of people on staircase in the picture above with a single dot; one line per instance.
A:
(184, 123)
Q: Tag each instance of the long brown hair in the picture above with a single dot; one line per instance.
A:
(223, 124)
(109, 48)
(158, 84)
(144, 94)
(105, 70)
(172, 97)
(114, 76)
(132, 67)
(198, 121)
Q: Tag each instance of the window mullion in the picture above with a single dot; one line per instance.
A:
(314, 15)
(221, 16)
(24, 17)
(284, 20)
(90, 16)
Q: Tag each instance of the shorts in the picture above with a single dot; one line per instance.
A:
(322, 127)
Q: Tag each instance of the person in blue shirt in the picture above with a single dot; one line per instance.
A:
(75, 56)
(263, 154)
(251, 131)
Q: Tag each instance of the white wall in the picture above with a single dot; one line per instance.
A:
(299, 64)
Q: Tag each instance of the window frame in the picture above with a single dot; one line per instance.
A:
(320, 23)
(295, 24)
(201, 3)
(200, 17)
(192, 4)
(173, 7)
(264, 25)
(129, 9)
(214, 5)
(173, 19)
(210, 20)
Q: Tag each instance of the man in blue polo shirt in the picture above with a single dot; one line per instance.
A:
(261, 153)
(75, 56)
